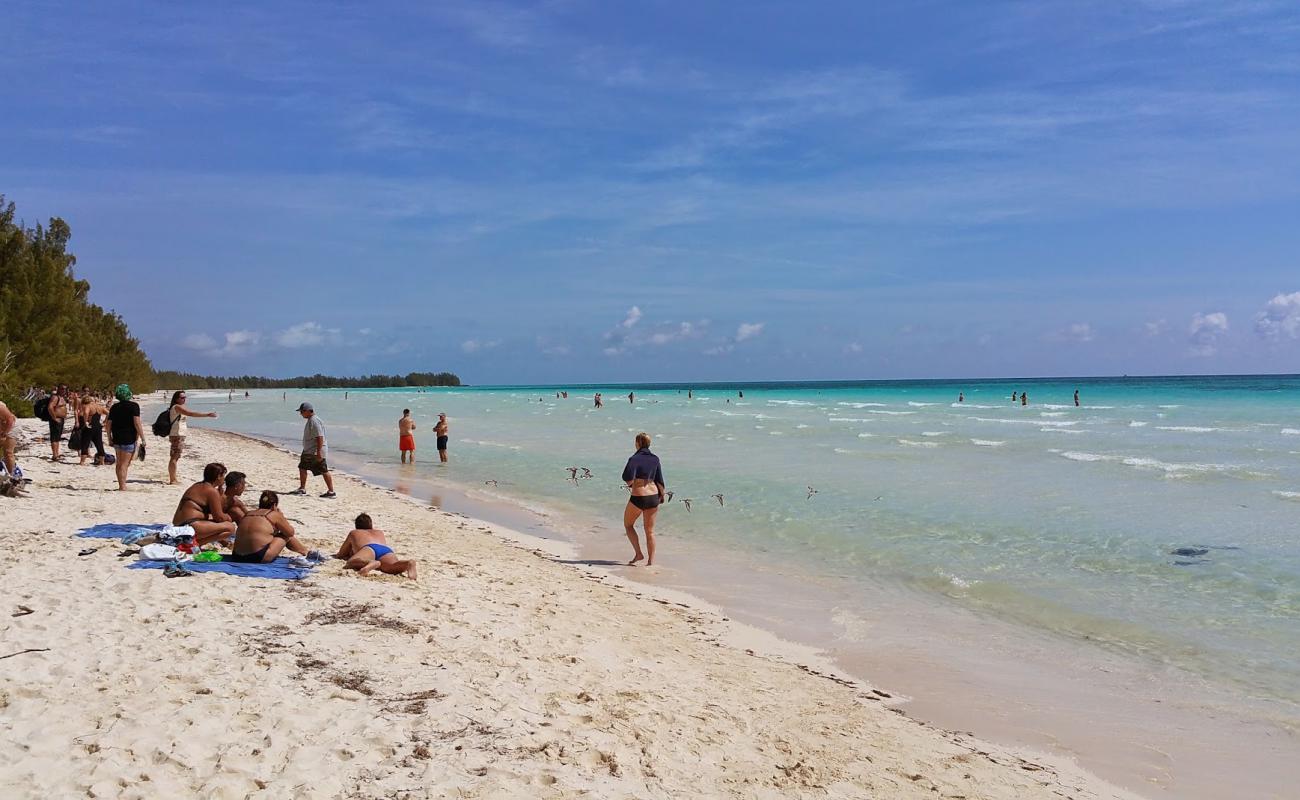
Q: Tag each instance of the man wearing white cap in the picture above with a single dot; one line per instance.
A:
(314, 452)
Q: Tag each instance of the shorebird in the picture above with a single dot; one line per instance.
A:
(573, 473)
(717, 497)
(586, 473)
(811, 492)
(489, 483)
(668, 497)
(687, 501)
(877, 498)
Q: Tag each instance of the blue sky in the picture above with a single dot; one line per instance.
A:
(588, 191)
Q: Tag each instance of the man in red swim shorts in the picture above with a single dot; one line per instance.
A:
(406, 435)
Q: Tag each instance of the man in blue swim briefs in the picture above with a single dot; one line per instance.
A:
(366, 550)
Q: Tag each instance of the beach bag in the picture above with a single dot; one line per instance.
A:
(74, 439)
(162, 552)
(41, 408)
(163, 425)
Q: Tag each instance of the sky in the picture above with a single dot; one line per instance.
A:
(585, 191)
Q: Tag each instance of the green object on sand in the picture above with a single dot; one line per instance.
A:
(207, 555)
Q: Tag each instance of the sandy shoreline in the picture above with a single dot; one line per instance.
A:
(501, 673)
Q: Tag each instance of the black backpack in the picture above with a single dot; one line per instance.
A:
(42, 409)
(163, 425)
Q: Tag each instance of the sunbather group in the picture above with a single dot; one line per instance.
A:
(213, 508)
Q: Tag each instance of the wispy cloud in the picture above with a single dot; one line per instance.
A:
(306, 334)
(477, 346)
(233, 344)
(1205, 333)
(1280, 317)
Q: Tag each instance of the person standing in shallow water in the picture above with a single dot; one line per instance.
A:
(1024, 399)
(1076, 398)
(406, 435)
(440, 430)
(645, 477)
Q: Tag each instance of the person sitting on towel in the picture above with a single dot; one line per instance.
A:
(366, 550)
(264, 532)
(201, 508)
(236, 483)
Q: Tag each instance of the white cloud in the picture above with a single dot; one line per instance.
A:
(748, 330)
(633, 316)
(1078, 332)
(364, 331)
(199, 341)
(1281, 316)
(853, 347)
(684, 330)
(1156, 327)
(720, 350)
(235, 343)
(1205, 332)
(475, 346)
(305, 334)
(612, 351)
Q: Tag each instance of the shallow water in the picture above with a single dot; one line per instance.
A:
(1056, 518)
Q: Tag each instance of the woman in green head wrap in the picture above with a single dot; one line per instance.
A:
(125, 432)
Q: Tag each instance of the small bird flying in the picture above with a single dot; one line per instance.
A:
(811, 492)
(687, 501)
(717, 497)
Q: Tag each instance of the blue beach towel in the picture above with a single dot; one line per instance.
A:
(116, 530)
(279, 569)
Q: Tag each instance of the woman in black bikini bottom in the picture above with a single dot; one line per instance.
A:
(645, 477)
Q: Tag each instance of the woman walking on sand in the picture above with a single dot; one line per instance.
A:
(645, 477)
(125, 432)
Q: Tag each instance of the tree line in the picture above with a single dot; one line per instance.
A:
(50, 332)
(185, 380)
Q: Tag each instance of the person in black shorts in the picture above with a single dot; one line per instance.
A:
(440, 430)
(645, 477)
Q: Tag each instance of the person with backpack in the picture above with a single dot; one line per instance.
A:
(125, 432)
(176, 413)
(56, 412)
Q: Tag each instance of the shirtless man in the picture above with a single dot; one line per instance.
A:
(440, 430)
(406, 435)
(366, 550)
(236, 483)
(58, 410)
(7, 442)
(201, 508)
(264, 532)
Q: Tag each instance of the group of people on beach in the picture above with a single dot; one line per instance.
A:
(214, 509)
(406, 436)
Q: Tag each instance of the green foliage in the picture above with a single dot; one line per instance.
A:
(184, 380)
(49, 330)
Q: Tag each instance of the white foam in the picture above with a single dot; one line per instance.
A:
(843, 451)
(1136, 424)
(1055, 423)
(1173, 406)
(1152, 463)
(1052, 414)
(787, 403)
(1060, 430)
(1287, 495)
(775, 433)
(801, 426)
(1291, 431)
(1188, 428)
(934, 433)
(850, 419)
(920, 405)
(911, 443)
(969, 405)
(893, 413)
(1052, 405)
(866, 436)
(863, 405)
(1077, 456)
(986, 443)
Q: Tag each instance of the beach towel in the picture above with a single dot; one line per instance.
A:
(279, 569)
(117, 530)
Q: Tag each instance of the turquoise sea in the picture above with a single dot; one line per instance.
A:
(1159, 519)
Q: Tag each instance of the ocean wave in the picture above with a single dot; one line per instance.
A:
(849, 419)
(1285, 495)
(1060, 430)
(934, 433)
(1136, 424)
(986, 443)
(775, 433)
(910, 443)
(1051, 423)
(892, 413)
(863, 405)
(969, 405)
(1053, 406)
(1291, 431)
(1170, 406)
(842, 451)
(789, 403)
(1077, 456)
(1052, 414)
(866, 436)
(1188, 428)
(915, 404)
(801, 426)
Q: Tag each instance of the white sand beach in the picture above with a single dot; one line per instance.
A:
(500, 673)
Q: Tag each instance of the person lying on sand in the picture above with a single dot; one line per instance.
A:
(366, 550)
(264, 532)
(201, 508)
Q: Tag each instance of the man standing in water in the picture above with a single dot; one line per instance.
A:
(314, 452)
(406, 435)
(440, 430)
(1076, 398)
